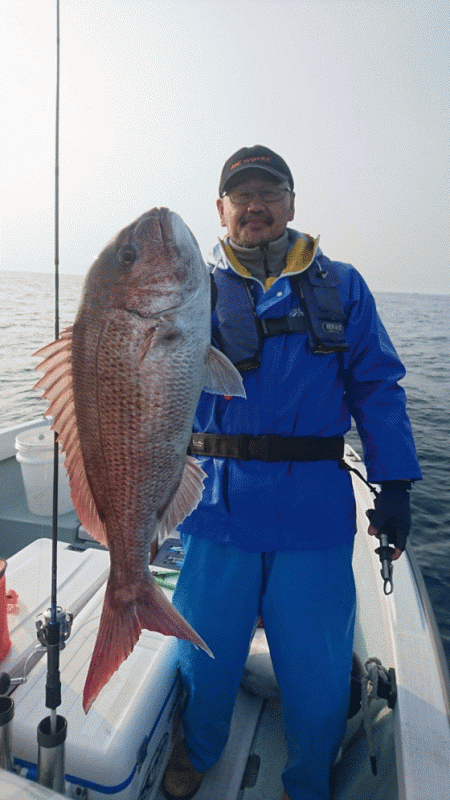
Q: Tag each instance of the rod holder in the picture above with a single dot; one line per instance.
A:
(51, 752)
(6, 715)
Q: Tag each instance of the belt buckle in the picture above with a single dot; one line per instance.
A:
(198, 443)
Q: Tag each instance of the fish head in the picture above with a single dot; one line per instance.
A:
(152, 266)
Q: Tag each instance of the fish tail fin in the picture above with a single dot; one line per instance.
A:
(156, 613)
(120, 628)
(118, 632)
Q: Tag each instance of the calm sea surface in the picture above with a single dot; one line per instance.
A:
(419, 326)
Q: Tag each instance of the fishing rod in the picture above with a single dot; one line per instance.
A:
(53, 627)
(53, 687)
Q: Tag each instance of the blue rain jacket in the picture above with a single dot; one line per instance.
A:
(264, 507)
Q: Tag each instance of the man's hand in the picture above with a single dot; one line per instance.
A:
(374, 532)
(392, 513)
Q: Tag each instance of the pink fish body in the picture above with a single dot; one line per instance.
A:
(123, 385)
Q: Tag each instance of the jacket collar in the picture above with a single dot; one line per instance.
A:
(302, 250)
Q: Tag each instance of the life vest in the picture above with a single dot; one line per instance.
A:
(242, 333)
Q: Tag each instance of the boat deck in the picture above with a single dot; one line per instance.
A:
(412, 741)
(255, 755)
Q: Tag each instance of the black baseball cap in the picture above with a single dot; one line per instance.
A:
(256, 157)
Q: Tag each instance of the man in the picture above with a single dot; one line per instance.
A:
(273, 534)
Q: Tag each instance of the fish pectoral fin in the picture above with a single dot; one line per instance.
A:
(185, 499)
(222, 377)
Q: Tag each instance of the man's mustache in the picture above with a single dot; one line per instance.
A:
(250, 217)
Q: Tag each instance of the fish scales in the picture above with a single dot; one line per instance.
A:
(123, 407)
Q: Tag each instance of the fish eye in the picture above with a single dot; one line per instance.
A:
(126, 255)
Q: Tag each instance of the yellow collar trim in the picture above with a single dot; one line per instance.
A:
(299, 258)
(235, 263)
(301, 255)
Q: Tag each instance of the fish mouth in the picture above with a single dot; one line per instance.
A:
(156, 315)
(184, 303)
(135, 313)
(155, 225)
(161, 228)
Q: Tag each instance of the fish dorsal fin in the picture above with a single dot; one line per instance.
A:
(58, 390)
(222, 377)
(185, 499)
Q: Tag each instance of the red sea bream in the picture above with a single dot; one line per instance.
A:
(123, 384)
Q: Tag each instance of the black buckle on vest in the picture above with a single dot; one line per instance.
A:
(277, 325)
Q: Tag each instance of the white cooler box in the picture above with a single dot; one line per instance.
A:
(121, 747)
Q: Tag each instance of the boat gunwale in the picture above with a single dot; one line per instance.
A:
(430, 618)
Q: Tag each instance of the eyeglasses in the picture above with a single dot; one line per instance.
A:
(265, 195)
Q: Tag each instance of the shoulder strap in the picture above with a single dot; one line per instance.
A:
(238, 329)
(242, 333)
(318, 286)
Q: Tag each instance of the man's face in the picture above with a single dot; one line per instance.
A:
(256, 222)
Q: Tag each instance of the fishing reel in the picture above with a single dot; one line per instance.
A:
(53, 629)
(43, 621)
(65, 619)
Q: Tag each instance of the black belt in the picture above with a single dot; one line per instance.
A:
(268, 447)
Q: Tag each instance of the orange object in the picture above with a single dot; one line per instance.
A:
(5, 641)
(12, 602)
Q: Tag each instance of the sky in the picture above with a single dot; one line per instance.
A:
(155, 96)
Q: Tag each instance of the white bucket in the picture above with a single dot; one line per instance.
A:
(34, 452)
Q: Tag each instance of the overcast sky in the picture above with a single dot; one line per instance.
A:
(155, 96)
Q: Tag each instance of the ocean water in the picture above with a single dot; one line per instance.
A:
(419, 326)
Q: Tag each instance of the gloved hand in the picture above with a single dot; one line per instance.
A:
(392, 513)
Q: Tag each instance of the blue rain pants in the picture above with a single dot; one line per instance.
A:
(307, 601)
